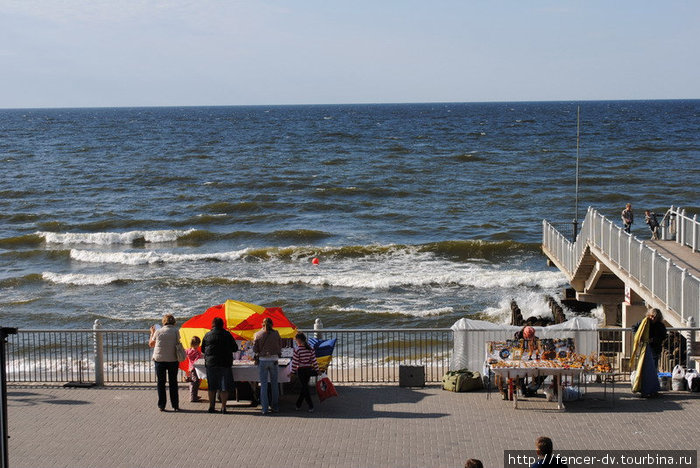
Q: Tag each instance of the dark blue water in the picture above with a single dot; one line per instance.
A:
(419, 213)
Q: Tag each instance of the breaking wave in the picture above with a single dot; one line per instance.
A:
(109, 238)
(150, 257)
(81, 279)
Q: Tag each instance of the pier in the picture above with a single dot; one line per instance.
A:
(626, 275)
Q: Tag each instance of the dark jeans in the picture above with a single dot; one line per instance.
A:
(169, 369)
(304, 374)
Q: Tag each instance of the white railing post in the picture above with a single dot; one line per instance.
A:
(99, 354)
(318, 326)
(695, 233)
(668, 272)
(653, 271)
(629, 254)
(683, 276)
(610, 239)
(682, 223)
(639, 272)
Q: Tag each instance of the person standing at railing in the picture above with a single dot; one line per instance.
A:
(304, 365)
(627, 217)
(193, 353)
(650, 219)
(268, 348)
(649, 337)
(163, 341)
(218, 347)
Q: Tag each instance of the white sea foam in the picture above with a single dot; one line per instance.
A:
(150, 257)
(387, 279)
(531, 303)
(79, 279)
(393, 310)
(109, 238)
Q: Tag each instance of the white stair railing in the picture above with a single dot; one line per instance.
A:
(675, 287)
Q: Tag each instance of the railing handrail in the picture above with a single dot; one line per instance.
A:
(146, 330)
(681, 228)
(310, 330)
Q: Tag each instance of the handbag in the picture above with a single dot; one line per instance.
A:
(325, 388)
(180, 352)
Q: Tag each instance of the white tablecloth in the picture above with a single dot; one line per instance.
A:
(247, 371)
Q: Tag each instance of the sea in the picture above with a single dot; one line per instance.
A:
(418, 214)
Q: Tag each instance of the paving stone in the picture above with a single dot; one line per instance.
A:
(365, 426)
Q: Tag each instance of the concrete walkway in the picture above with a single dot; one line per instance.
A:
(366, 426)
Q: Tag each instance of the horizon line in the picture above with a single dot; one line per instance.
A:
(171, 106)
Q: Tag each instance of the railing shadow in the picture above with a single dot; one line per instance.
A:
(627, 402)
(21, 398)
(366, 402)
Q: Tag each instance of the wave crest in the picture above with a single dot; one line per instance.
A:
(110, 238)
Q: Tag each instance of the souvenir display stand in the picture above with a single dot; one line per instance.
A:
(245, 370)
(518, 359)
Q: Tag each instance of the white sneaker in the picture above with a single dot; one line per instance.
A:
(311, 410)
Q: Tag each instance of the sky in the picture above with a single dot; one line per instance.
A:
(104, 53)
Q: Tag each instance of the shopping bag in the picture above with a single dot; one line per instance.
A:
(678, 378)
(325, 388)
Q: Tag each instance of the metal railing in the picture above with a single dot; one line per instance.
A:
(122, 356)
(617, 343)
(676, 225)
(666, 281)
(374, 355)
(361, 355)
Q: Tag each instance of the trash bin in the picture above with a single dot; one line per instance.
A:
(411, 376)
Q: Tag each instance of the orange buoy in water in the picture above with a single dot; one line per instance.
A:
(314, 261)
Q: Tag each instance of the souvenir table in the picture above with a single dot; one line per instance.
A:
(518, 359)
(247, 371)
(533, 369)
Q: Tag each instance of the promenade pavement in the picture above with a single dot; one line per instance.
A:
(366, 426)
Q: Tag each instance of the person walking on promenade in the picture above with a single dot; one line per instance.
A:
(544, 448)
(650, 219)
(268, 348)
(218, 347)
(163, 341)
(193, 353)
(304, 365)
(649, 336)
(627, 217)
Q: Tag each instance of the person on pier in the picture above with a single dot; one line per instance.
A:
(627, 217)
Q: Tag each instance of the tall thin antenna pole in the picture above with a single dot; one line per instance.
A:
(578, 133)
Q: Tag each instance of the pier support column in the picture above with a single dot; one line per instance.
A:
(632, 312)
(610, 314)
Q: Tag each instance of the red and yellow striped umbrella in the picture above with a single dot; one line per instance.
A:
(242, 319)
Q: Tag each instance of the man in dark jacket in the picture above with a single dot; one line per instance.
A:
(218, 347)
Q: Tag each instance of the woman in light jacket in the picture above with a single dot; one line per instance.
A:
(163, 342)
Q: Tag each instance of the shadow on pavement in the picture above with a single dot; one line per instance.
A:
(626, 402)
(366, 403)
(32, 399)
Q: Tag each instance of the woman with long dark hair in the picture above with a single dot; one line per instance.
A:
(304, 365)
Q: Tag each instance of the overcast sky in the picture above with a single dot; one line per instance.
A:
(70, 53)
